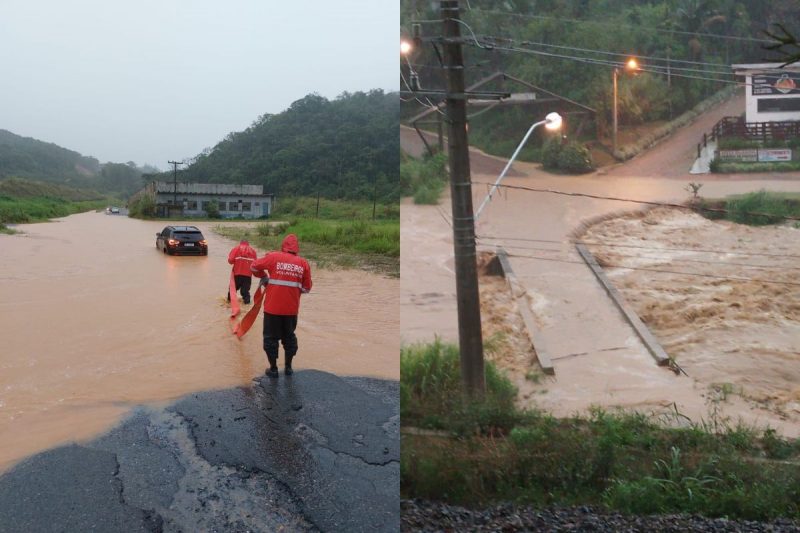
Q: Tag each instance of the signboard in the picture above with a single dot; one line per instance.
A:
(775, 154)
(738, 155)
(785, 83)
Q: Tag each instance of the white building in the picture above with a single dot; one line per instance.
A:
(192, 199)
(772, 93)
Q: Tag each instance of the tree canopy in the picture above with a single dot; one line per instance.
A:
(342, 148)
(569, 47)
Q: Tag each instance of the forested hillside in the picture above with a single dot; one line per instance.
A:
(341, 148)
(24, 157)
(570, 47)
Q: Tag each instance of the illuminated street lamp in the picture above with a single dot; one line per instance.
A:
(631, 66)
(552, 121)
(405, 47)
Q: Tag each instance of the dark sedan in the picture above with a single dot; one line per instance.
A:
(175, 240)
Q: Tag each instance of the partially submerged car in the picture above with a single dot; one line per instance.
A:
(175, 240)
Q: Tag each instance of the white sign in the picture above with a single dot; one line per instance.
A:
(775, 154)
(738, 155)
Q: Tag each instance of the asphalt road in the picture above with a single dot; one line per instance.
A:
(310, 452)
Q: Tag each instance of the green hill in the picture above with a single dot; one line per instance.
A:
(341, 148)
(25, 157)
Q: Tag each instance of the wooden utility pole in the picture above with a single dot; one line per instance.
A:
(174, 181)
(467, 296)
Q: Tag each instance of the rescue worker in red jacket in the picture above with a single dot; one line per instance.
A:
(242, 257)
(287, 276)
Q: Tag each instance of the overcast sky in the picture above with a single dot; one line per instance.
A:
(154, 80)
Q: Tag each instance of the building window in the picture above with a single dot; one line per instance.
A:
(205, 206)
(233, 206)
(245, 206)
(191, 205)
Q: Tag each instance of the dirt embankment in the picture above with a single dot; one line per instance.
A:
(507, 343)
(722, 298)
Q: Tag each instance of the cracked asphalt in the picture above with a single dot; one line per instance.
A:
(312, 452)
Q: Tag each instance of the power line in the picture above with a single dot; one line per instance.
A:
(607, 63)
(617, 54)
(643, 202)
(618, 24)
(663, 271)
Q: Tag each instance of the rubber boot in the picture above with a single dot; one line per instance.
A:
(272, 371)
(288, 369)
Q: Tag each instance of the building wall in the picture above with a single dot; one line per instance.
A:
(752, 113)
(193, 204)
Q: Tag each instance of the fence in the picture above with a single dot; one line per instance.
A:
(755, 131)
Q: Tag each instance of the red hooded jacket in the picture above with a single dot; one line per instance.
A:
(241, 257)
(289, 276)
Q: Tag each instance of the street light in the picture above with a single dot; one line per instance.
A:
(405, 47)
(631, 65)
(552, 121)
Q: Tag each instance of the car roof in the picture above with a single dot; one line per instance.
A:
(184, 228)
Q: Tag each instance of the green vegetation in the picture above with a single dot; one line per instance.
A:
(24, 157)
(771, 206)
(142, 206)
(722, 167)
(536, 29)
(24, 201)
(334, 209)
(343, 148)
(733, 143)
(430, 393)
(493, 451)
(571, 157)
(424, 179)
(372, 245)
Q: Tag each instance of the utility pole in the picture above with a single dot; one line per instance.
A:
(467, 296)
(615, 75)
(174, 181)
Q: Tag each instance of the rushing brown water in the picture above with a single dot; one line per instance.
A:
(94, 320)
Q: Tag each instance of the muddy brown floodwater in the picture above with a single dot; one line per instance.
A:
(94, 320)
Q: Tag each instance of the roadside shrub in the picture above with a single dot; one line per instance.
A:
(212, 209)
(550, 153)
(739, 208)
(575, 159)
(570, 158)
(431, 393)
(423, 179)
(143, 206)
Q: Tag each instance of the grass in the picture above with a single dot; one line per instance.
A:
(334, 209)
(722, 167)
(14, 210)
(771, 207)
(423, 179)
(366, 244)
(25, 201)
(493, 451)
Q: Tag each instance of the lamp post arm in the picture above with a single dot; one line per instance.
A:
(508, 165)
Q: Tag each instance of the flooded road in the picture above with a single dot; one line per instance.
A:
(94, 320)
(598, 358)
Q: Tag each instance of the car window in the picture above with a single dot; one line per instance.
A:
(189, 234)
